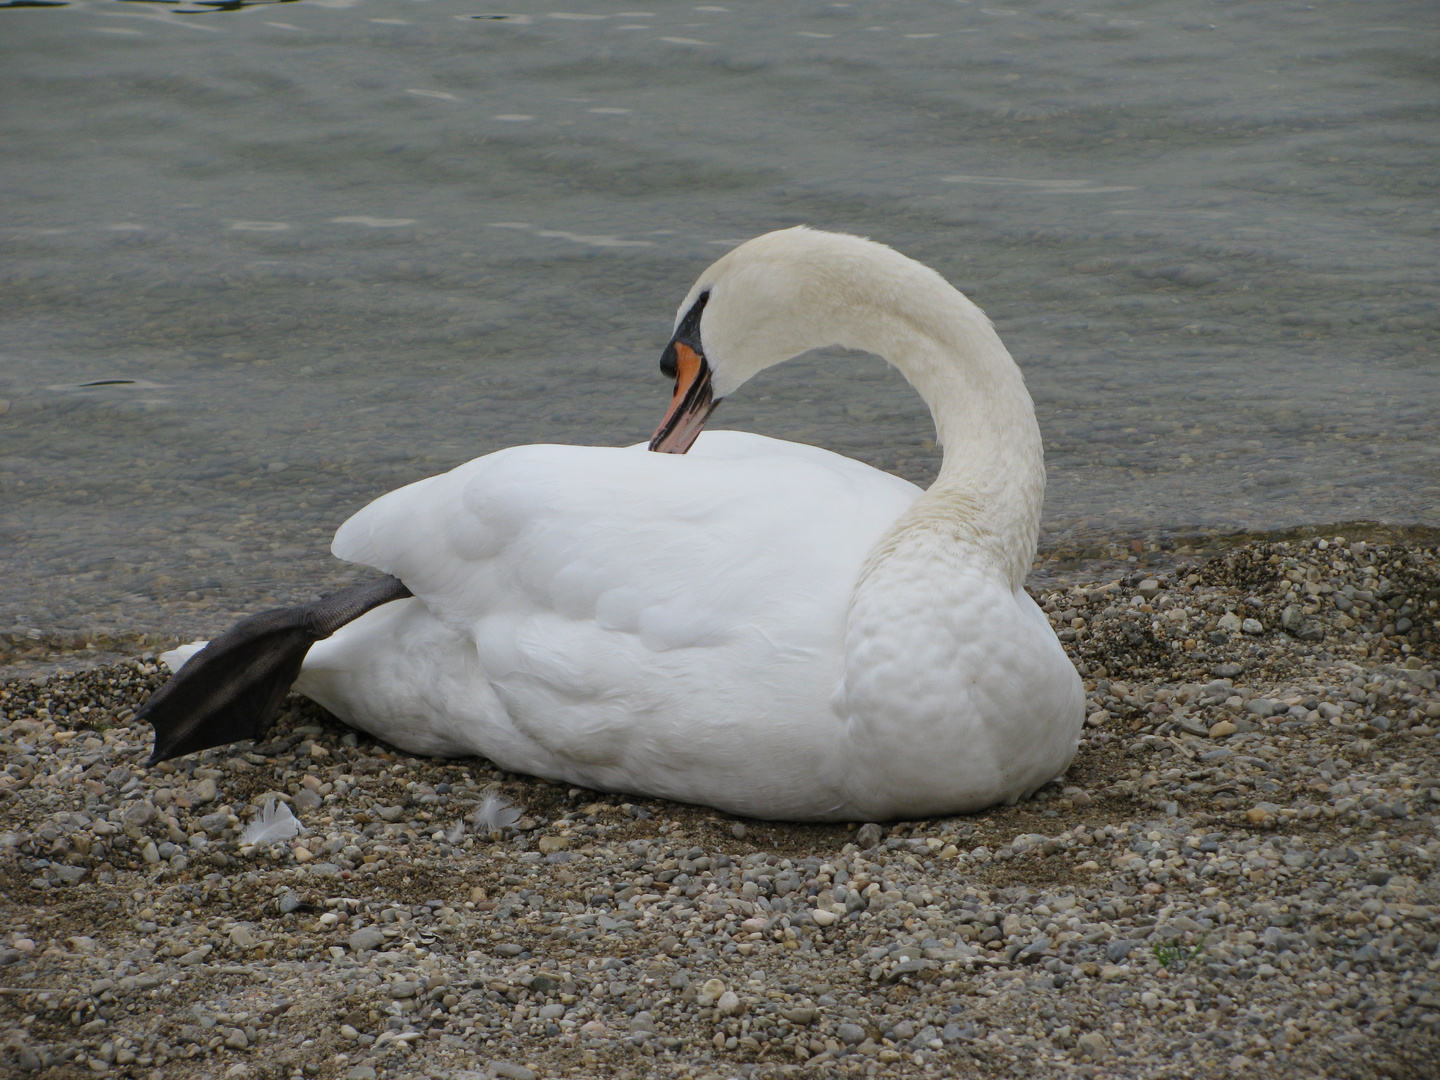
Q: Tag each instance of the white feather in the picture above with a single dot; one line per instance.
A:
(273, 824)
(494, 815)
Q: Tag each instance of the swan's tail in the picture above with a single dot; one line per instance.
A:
(231, 689)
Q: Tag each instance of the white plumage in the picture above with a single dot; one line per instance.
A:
(756, 625)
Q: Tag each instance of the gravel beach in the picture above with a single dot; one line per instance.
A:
(1236, 877)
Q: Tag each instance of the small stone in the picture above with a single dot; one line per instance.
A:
(729, 1003)
(236, 1039)
(205, 792)
(360, 1072)
(1119, 949)
(738, 830)
(289, 901)
(1258, 815)
(1252, 626)
(138, 813)
(548, 845)
(1093, 1045)
(1148, 589)
(242, 938)
(711, 991)
(390, 814)
(823, 917)
(1191, 726)
(508, 1071)
(306, 799)
(911, 967)
(868, 836)
(1222, 729)
(850, 1034)
(367, 937)
(1230, 622)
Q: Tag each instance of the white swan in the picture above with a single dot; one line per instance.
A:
(759, 626)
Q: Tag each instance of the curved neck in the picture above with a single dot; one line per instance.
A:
(988, 496)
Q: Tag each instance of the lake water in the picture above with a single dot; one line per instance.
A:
(260, 265)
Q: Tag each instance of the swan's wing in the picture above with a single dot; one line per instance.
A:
(600, 584)
(678, 550)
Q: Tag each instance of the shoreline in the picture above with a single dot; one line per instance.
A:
(1236, 874)
(1061, 562)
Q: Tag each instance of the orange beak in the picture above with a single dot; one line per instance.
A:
(691, 405)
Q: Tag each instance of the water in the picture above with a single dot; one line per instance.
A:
(260, 265)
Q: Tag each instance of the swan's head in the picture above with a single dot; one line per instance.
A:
(769, 299)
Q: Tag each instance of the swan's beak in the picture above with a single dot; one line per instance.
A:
(693, 401)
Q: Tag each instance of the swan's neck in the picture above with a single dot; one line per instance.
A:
(934, 636)
(985, 504)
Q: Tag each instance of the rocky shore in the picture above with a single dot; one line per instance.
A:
(1236, 877)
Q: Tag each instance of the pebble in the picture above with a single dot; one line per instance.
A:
(869, 835)
(1243, 851)
(366, 938)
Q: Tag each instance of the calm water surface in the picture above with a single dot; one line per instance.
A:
(259, 265)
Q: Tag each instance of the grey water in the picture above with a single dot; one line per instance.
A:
(261, 262)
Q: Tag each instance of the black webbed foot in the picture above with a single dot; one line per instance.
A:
(231, 689)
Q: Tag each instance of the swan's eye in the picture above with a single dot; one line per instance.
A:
(687, 333)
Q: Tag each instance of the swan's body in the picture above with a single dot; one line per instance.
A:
(760, 626)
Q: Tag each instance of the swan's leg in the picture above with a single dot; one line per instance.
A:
(231, 689)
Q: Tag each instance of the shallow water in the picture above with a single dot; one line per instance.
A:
(310, 251)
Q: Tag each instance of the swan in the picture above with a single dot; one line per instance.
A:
(760, 626)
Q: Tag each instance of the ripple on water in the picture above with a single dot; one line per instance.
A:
(1212, 261)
